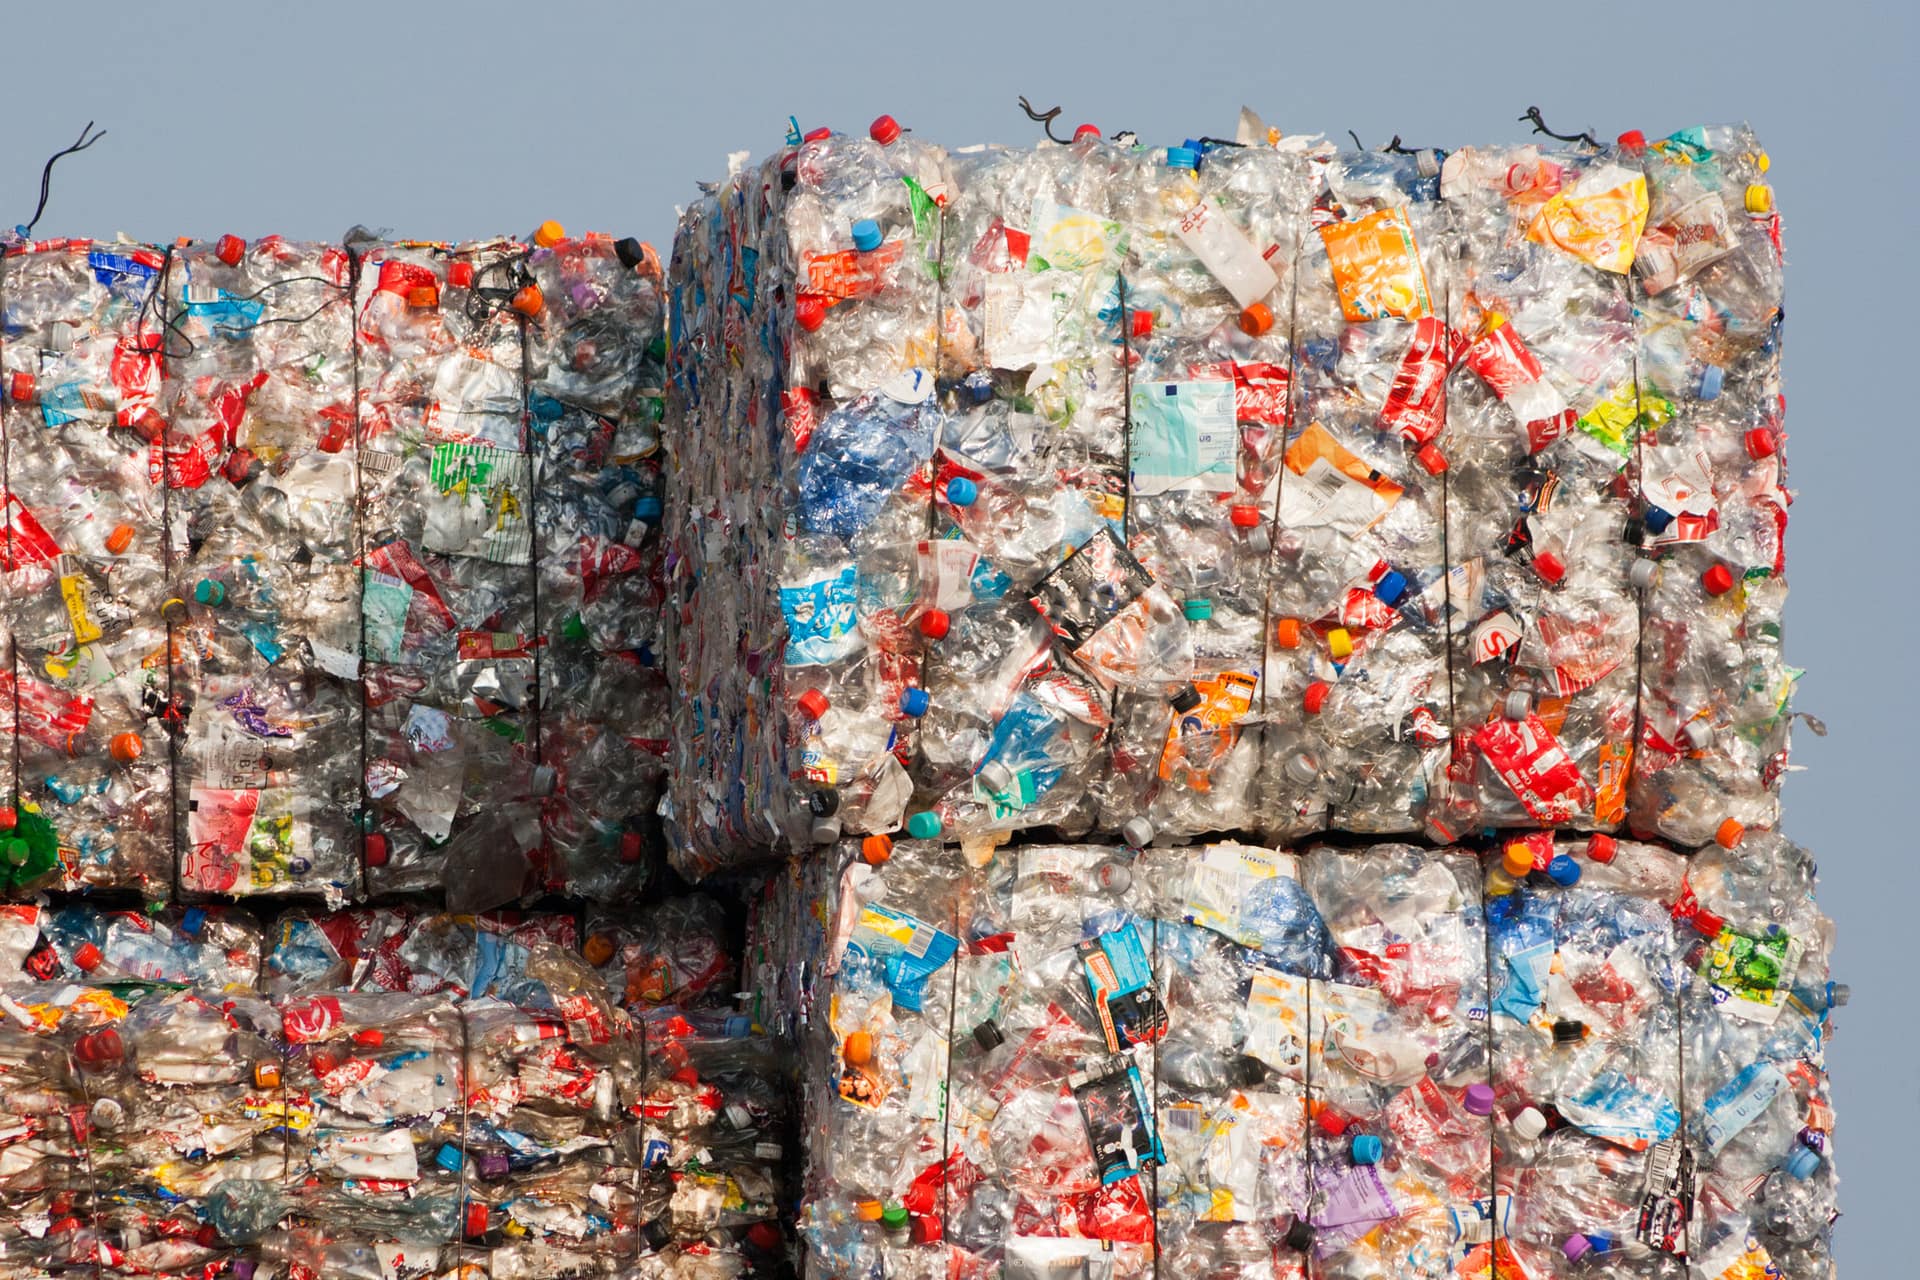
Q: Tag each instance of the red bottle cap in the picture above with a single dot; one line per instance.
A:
(20, 387)
(1761, 443)
(379, 852)
(239, 466)
(1717, 580)
(1708, 923)
(230, 249)
(817, 135)
(476, 1219)
(630, 846)
(813, 704)
(934, 623)
(460, 275)
(764, 1235)
(1315, 697)
(1431, 459)
(325, 1062)
(373, 1037)
(1142, 323)
(1601, 847)
(1085, 131)
(885, 131)
(810, 312)
(87, 957)
(1548, 566)
(925, 1229)
(100, 1048)
(1243, 515)
(1332, 1122)
(1632, 140)
(9, 819)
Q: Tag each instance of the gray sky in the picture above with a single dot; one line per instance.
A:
(441, 120)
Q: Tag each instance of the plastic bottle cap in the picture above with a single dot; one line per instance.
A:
(1712, 379)
(885, 131)
(1530, 1124)
(825, 830)
(1197, 610)
(1656, 520)
(1243, 515)
(1186, 699)
(875, 850)
(867, 235)
(1549, 567)
(1517, 860)
(1699, 735)
(869, 1210)
(1391, 587)
(926, 1229)
(1601, 847)
(87, 957)
(209, 591)
(1759, 198)
(423, 297)
(1431, 460)
(120, 539)
(125, 748)
(857, 1048)
(812, 704)
(962, 492)
(1113, 877)
(20, 387)
(1707, 923)
(9, 818)
(914, 702)
(230, 249)
(1478, 1099)
(448, 1157)
(549, 234)
(989, 1036)
(1761, 443)
(1315, 697)
(1517, 705)
(529, 301)
(934, 623)
(1644, 575)
(1141, 324)
(1803, 1163)
(1718, 580)
(1331, 1121)
(1286, 633)
(1339, 643)
(1731, 832)
(924, 825)
(1632, 140)
(810, 312)
(378, 851)
(1564, 870)
(1085, 131)
(1302, 769)
(1182, 158)
(1367, 1149)
(895, 1216)
(1576, 1247)
(1300, 1235)
(476, 1219)
(764, 1236)
(266, 1075)
(1568, 1031)
(1256, 319)
(649, 508)
(1137, 832)
(597, 950)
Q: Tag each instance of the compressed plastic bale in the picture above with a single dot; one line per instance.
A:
(86, 561)
(1715, 689)
(595, 389)
(1357, 694)
(448, 597)
(411, 951)
(1546, 619)
(1587, 1025)
(211, 948)
(261, 472)
(673, 952)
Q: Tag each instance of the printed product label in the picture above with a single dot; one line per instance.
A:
(1376, 268)
(1184, 437)
(1121, 983)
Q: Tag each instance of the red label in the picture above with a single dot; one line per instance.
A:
(1531, 761)
(1415, 401)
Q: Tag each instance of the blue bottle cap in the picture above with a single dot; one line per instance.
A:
(1657, 520)
(1803, 1163)
(1194, 145)
(1197, 610)
(647, 507)
(866, 235)
(545, 407)
(194, 921)
(1564, 870)
(1182, 158)
(1712, 378)
(979, 388)
(914, 701)
(1367, 1149)
(739, 1025)
(208, 591)
(961, 491)
(448, 1157)
(1392, 585)
(924, 825)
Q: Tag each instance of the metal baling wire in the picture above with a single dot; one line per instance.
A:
(364, 812)
(46, 174)
(1274, 528)
(171, 723)
(6, 533)
(533, 536)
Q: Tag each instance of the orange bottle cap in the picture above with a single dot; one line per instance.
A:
(549, 234)
(1517, 860)
(120, 539)
(598, 950)
(126, 747)
(1256, 319)
(529, 301)
(857, 1048)
(876, 849)
(1731, 832)
(1286, 633)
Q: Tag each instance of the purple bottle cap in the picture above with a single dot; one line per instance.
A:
(1576, 1247)
(1479, 1099)
(493, 1165)
(243, 1268)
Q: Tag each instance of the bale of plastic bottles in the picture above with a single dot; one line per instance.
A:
(1244, 485)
